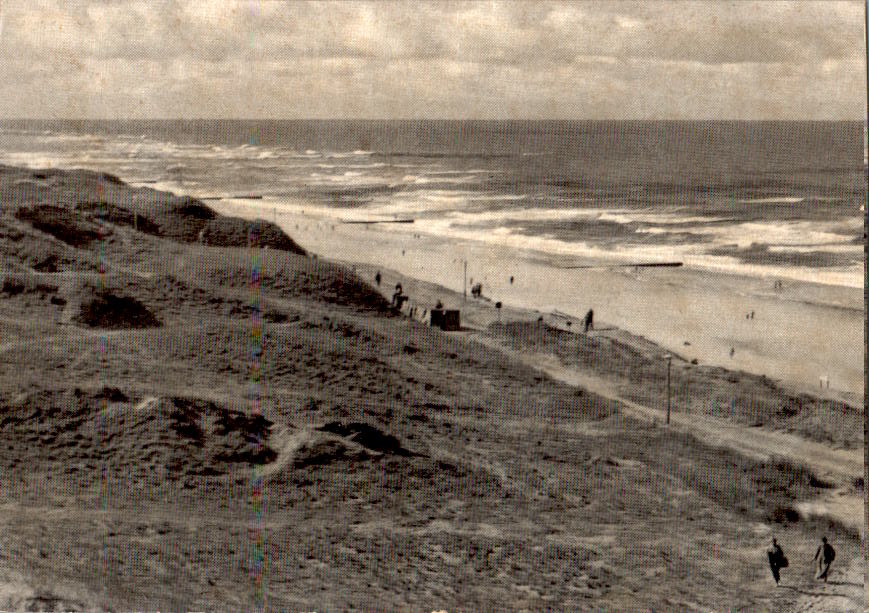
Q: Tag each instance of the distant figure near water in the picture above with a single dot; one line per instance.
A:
(589, 321)
(777, 560)
(378, 278)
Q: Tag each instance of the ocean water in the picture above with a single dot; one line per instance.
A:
(766, 199)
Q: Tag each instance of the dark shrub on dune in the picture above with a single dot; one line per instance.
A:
(368, 436)
(103, 309)
(71, 227)
(117, 215)
(237, 232)
(180, 217)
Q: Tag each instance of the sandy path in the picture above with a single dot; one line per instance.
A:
(287, 443)
(844, 591)
(839, 466)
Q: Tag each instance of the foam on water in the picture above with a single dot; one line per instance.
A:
(489, 197)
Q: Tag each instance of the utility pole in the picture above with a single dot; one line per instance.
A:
(465, 282)
(669, 361)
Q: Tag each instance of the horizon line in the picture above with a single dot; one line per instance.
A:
(443, 119)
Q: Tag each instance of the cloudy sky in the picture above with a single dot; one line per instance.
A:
(226, 58)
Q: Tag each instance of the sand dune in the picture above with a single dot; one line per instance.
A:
(284, 441)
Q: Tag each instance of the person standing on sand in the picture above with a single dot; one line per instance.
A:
(589, 321)
(377, 278)
(824, 556)
(777, 560)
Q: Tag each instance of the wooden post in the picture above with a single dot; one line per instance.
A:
(465, 282)
(669, 361)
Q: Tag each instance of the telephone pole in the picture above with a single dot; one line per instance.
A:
(465, 282)
(669, 361)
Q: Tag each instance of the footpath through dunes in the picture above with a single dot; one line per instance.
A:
(747, 413)
(283, 441)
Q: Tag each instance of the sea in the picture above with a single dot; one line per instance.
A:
(766, 219)
(757, 198)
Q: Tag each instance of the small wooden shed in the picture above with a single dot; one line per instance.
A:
(446, 319)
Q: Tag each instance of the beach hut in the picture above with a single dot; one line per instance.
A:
(446, 319)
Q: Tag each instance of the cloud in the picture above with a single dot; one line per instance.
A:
(445, 59)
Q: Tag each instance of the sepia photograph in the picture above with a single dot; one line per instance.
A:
(433, 306)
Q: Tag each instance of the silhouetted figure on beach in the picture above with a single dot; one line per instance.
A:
(732, 351)
(588, 323)
(511, 280)
(477, 290)
(824, 557)
(398, 298)
(777, 560)
(439, 305)
(378, 278)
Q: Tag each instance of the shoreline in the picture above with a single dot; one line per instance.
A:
(706, 310)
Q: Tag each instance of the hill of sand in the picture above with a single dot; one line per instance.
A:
(276, 438)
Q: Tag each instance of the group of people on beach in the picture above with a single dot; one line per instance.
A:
(824, 557)
(399, 298)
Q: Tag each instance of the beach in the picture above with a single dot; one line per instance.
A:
(798, 333)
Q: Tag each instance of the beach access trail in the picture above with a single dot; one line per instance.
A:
(838, 466)
(753, 442)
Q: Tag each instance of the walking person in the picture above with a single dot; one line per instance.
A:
(589, 321)
(777, 560)
(824, 557)
(378, 278)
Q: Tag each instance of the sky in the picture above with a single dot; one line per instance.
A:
(451, 60)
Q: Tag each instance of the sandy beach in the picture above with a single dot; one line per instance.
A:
(798, 333)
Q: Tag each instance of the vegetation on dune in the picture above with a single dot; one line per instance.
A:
(226, 425)
(237, 232)
(697, 389)
(71, 207)
(100, 308)
(63, 224)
